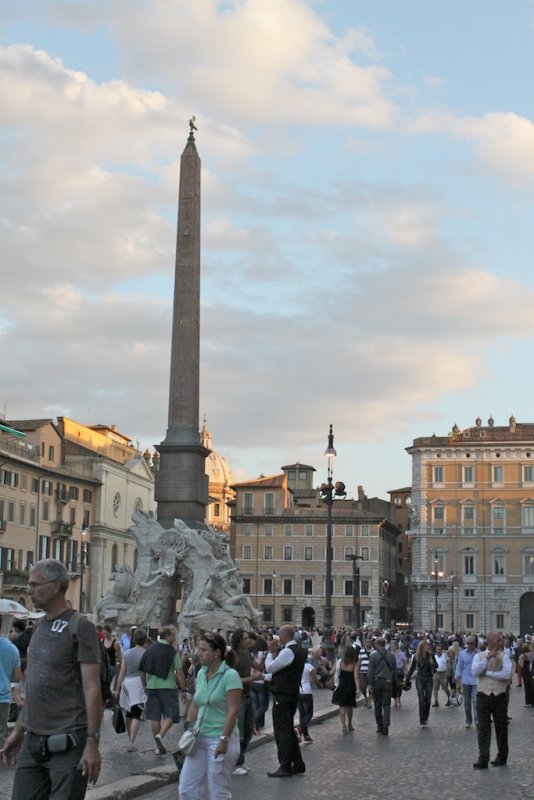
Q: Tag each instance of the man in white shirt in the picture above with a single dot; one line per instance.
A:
(493, 670)
(285, 671)
(440, 675)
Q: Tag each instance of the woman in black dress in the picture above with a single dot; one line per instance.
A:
(344, 671)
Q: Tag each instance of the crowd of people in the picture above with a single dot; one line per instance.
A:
(56, 681)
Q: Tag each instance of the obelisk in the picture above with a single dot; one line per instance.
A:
(181, 487)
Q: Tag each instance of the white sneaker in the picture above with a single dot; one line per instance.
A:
(159, 744)
(240, 771)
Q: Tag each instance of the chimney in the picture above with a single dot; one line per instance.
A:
(512, 424)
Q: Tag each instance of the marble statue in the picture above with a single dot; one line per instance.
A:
(196, 562)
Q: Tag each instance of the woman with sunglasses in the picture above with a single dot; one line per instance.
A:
(214, 711)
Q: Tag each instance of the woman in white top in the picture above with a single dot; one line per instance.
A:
(130, 690)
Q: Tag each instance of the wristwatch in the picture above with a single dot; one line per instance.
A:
(223, 738)
(94, 736)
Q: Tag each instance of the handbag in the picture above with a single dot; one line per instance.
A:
(188, 740)
(117, 720)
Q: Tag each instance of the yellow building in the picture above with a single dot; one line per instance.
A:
(278, 537)
(472, 528)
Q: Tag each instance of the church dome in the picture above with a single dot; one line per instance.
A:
(216, 467)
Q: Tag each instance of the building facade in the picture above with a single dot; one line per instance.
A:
(472, 528)
(68, 491)
(278, 537)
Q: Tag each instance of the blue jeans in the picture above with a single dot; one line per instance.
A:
(260, 694)
(470, 702)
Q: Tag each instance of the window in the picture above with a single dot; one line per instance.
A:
(497, 516)
(247, 552)
(50, 452)
(287, 586)
(469, 564)
(248, 503)
(308, 585)
(499, 621)
(302, 475)
(72, 555)
(438, 474)
(527, 517)
(44, 547)
(216, 509)
(288, 530)
(86, 519)
(46, 510)
(57, 549)
(438, 561)
(308, 554)
(308, 529)
(35, 485)
(87, 496)
(364, 552)
(247, 529)
(7, 558)
(364, 588)
(364, 530)
(74, 493)
(348, 587)
(469, 622)
(498, 474)
(349, 530)
(269, 503)
(268, 529)
(287, 614)
(528, 474)
(33, 516)
(47, 488)
(267, 586)
(469, 592)
(349, 551)
(22, 514)
(11, 511)
(246, 585)
(439, 513)
(528, 565)
(439, 623)
(468, 475)
(288, 553)
(268, 552)
(23, 482)
(468, 518)
(267, 613)
(72, 514)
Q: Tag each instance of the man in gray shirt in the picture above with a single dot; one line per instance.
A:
(58, 731)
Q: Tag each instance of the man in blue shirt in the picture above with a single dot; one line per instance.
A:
(467, 681)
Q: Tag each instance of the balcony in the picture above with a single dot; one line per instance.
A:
(63, 529)
(62, 496)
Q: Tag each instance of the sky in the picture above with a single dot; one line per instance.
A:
(367, 206)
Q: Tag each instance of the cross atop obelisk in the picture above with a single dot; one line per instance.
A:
(181, 489)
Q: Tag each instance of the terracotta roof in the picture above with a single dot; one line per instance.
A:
(271, 481)
(27, 424)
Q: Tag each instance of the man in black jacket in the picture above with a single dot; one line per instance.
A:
(381, 677)
(285, 671)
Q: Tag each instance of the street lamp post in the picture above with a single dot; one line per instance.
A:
(437, 574)
(453, 587)
(274, 598)
(328, 491)
(83, 562)
(355, 589)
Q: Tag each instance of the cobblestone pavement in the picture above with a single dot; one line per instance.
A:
(412, 762)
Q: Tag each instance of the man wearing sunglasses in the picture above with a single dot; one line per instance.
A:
(55, 741)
